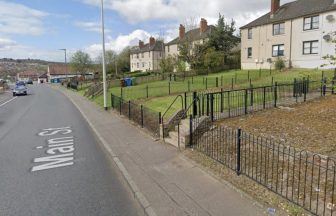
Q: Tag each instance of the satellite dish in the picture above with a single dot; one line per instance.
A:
(330, 18)
(327, 37)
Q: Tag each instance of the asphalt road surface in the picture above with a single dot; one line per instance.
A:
(52, 164)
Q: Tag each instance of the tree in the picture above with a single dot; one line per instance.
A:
(123, 60)
(331, 58)
(167, 64)
(192, 53)
(81, 62)
(213, 58)
(110, 60)
(222, 38)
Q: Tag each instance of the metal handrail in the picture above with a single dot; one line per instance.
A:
(178, 96)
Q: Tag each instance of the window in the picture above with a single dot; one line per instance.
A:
(137, 55)
(249, 52)
(249, 33)
(279, 29)
(143, 64)
(138, 65)
(310, 23)
(310, 47)
(278, 50)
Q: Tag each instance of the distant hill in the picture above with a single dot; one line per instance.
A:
(11, 67)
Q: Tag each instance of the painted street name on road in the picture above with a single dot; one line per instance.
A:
(60, 149)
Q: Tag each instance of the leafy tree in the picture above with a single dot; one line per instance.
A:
(111, 61)
(81, 62)
(167, 64)
(279, 64)
(192, 53)
(213, 58)
(123, 61)
(180, 65)
(331, 58)
(223, 38)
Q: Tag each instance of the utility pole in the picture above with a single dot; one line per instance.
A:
(65, 61)
(103, 55)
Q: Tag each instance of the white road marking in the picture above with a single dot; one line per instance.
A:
(39, 147)
(3, 104)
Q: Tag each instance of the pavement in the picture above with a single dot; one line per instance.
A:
(51, 162)
(166, 182)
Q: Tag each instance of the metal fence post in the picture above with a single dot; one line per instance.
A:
(238, 158)
(264, 97)
(112, 103)
(194, 104)
(212, 107)
(221, 80)
(121, 92)
(160, 119)
(248, 75)
(304, 89)
(169, 88)
(120, 105)
(275, 94)
(185, 100)
(129, 109)
(246, 93)
(190, 131)
(221, 101)
(188, 85)
(294, 88)
(207, 104)
(142, 115)
(251, 91)
(216, 82)
(232, 83)
(147, 91)
(259, 72)
(206, 83)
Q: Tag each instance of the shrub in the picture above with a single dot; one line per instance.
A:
(279, 64)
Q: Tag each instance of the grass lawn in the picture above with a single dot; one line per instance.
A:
(160, 104)
(158, 92)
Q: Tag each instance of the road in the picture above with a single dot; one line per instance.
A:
(51, 162)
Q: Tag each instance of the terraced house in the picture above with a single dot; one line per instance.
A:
(300, 32)
(147, 57)
(195, 36)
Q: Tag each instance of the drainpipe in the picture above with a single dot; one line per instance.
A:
(290, 44)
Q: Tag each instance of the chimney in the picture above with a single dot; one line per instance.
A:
(275, 5)
(203, 25)
(141, 44)
(182, 31)
(151, 41)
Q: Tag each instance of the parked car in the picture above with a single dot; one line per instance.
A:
(30, 82)
(20, 89)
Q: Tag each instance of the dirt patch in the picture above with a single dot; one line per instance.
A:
(307, 126)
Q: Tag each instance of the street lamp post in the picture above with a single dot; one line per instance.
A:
(65, 61)
(103, 55)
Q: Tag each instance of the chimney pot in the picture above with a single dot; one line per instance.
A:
(181, 31)
(275, 5)
(141, 43)
(203, 25)
(151, 41)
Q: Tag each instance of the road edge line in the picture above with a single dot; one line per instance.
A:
(8, 101)
(148, 210)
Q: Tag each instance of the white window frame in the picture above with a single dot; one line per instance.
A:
(280, 30)
(310, 48)
(310, 24)
(278, 50)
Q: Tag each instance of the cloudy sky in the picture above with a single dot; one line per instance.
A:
(38, 28)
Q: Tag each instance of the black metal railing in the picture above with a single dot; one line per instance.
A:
(304, 178)
(141, 115)
(232, 103)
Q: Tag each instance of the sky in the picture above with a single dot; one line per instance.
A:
(39, 28)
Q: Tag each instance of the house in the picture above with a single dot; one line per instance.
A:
(58, 72)
(195, 36)
(299, 32)
(146, 57)
(27, 75)
(43, 78)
